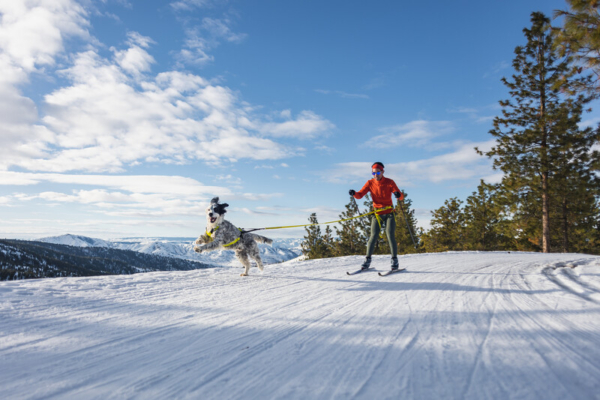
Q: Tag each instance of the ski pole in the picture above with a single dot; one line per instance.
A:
(407, 225)
(355, 205)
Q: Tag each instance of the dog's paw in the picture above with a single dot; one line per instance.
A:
(243, 274)
(203, 239)
(198, 249)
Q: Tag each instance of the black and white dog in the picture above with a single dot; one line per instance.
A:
(227, 236)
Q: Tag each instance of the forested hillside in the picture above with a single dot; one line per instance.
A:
(26, 259)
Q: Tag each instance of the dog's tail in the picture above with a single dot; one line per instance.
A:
(261, 239)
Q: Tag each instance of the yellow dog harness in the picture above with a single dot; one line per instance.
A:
(211, 233)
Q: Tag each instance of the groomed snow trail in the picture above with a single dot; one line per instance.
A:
(463, 325)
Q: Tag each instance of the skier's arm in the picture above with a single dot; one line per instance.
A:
(366, 189)
(397, 192)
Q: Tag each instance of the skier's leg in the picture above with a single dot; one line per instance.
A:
(374, 235)
(390, 232)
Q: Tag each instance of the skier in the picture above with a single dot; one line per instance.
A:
(381, 189)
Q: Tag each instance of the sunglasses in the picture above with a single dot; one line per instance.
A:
(376, 173)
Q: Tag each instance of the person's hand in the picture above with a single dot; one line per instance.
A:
(352, 192)
(399, 195)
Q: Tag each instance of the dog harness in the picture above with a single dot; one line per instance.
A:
(212, 232)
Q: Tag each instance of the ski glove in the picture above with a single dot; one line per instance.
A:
(352, 192)
(399, 195)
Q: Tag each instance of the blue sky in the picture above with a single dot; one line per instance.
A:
(123, 118)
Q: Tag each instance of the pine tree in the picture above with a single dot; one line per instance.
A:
(447, 228)
(403, 237)
(484, 220)
(579, 37)
(365, 226)
(530, 132)
(314, 245)
(329, 243)
(351, 240)
(576, 186)
(524, 208)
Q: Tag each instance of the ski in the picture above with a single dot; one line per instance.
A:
(359, 271)
(392, 271)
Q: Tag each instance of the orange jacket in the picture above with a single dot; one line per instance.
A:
(381, 191)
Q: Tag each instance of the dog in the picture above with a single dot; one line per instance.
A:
(225, 236)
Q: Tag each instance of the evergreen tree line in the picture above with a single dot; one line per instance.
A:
(548, 199)
(351, 236)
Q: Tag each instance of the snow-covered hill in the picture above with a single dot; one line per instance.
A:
(281, 250)
(454, 326)
(76, 240)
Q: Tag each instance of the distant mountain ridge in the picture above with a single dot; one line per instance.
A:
(21, 259)
(183, 248)
(76, 240)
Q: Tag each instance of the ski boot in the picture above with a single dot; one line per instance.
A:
(394, 263)
(366, 264)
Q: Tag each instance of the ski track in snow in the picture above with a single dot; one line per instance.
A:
(457, 325)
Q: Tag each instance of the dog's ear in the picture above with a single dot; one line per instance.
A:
(221, 208)
(215, 200)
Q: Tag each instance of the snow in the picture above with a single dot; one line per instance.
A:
(458, 325)
(281, 250)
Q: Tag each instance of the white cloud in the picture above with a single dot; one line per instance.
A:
(248, 211)
(139, 196)
(32, 34)
(324, 214)
(325, 149)
(462, 164)
(135, 60)
(308, 125)
(592, 122)
(161, 184)
(103, 123)
(113, 113)
(205, 37)
(259, 197)
(486, 118)
(188, 5)
(230, 179)
(413, 134)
